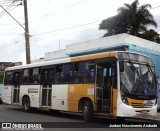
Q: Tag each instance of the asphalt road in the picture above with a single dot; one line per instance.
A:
(66, 121)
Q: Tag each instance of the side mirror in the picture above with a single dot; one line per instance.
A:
(121, 66)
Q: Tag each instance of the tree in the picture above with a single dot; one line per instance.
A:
(151, 35)
(131, 18)
(115, 25)
(1, 77)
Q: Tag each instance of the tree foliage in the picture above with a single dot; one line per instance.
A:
(150, 35)
(132, 19)
(1, 77)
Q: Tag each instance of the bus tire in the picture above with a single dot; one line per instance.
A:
(26, 104)
(87, 110)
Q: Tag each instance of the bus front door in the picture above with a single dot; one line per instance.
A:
(16, 88)
(103, 88)
(46, 88)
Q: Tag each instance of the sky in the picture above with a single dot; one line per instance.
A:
(56, 23)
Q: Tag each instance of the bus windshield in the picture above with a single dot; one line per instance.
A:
(138, 79)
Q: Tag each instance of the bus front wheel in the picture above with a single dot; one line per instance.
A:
(26, 104)
(87, 110)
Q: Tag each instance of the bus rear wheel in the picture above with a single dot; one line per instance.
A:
(26, 104)
(87, 110)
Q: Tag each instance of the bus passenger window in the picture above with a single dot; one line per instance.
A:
(92, 73)
(58, 76)
(51, 75)
(36, 76)
(31, 76)
(83, 72)
(25, 76)
(76, 73)
(86, 72)
(8, 78)
(66, 73)
(16, 79)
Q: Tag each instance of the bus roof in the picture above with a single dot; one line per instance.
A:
(71, 59)
(45, 63)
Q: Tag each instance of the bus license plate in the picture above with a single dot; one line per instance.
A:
(143, 111)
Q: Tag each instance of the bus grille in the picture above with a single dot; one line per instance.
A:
(141, 105)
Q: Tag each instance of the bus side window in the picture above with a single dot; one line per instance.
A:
(66, 73)
(30, 76)
(51, 76)
(8, 78)
(83, 72)
(92, 73)
(76, 73)
(58, 77)
(25, 76)
(36, 75)
(17, 78)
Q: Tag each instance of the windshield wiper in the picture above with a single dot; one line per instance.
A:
(152, 72)
(149, 68)
(134, 69)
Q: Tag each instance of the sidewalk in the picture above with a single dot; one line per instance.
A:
(158, 116)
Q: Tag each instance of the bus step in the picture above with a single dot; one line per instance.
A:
(101, 114)
(45, 108)
(105, 108)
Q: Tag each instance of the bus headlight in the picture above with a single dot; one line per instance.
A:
(124, 99)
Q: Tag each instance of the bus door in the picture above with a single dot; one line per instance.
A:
(16, 87)
(104, 90)
(46, 87)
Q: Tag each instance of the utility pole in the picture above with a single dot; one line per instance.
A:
(28, 58)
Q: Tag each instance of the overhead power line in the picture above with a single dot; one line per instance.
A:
(8, 10)
(12, 16)
(16, 42)
(65, 28)
(58, 10)
(12, 53)
(10, 34)
(10, 5)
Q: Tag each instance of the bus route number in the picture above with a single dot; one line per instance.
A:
(71, 89)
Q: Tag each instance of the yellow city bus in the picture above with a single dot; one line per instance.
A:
(117, 83)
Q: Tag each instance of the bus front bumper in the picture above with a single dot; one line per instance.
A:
(124, 110)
